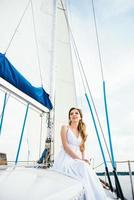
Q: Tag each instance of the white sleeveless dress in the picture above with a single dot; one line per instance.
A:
(79, 169)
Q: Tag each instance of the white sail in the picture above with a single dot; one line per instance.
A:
(65, 91)
(26, 37)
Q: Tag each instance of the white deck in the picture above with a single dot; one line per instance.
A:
(21, 183)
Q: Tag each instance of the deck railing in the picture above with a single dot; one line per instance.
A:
(121, 172)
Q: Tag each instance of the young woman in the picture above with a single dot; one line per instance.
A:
(71, 159)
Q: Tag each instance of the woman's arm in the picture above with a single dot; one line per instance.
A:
(85, 159)
(83, 155)
(66, 146)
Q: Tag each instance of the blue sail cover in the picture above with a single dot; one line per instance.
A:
(14, 77)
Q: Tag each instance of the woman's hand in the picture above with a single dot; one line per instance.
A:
(87, 161)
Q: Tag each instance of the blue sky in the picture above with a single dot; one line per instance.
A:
(116, 35)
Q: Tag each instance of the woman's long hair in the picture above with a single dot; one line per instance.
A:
(81, 128)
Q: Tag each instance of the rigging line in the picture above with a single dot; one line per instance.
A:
(94, 122)
(3, 111)
(6, 101)
(17, 26)
(36, 43)
(118, 187)
(93, 104)
(22, 134)
(98, 41)
(79, 69)
(104, 90)
(80, 62)
(95, 126)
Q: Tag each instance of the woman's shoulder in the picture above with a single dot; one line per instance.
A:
(64, 128)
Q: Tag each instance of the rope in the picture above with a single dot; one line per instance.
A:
(5, 102)
(35, 36)
(98, 42)
(17, 27)
(3, 111)
(81, 69)
(118, 187)
(104, 91)
(36, 43)
(22, 133)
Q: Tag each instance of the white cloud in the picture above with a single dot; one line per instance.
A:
(114, 8)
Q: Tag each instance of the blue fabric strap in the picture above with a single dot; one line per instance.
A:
(3, 110)
(22, 133)
(108, 126)
(95, 126)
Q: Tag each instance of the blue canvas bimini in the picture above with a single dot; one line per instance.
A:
(14, 77)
